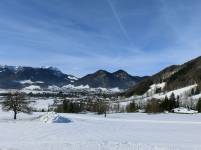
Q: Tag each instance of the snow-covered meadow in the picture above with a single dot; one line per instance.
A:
(119, 131)
(135, 131)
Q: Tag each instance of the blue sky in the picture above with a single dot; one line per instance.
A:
(82, 36)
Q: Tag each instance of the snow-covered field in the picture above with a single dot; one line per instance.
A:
(92, 132)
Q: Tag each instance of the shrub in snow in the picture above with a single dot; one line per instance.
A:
(131, 107)
(153, 106)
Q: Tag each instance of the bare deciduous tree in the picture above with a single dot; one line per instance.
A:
(16, 102)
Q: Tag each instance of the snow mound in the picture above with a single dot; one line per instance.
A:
(30, 82)
(183, 110)
(52, 117)
(72, 77)
(54, 88)
(26, 82)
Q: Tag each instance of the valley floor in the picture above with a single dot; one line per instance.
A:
(91, 132)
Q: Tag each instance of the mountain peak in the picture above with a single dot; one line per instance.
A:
(102, 78)
(101, 72)
(51, 68)
(11, 68)
(120, 72)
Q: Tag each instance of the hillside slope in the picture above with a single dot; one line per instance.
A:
(176, 76)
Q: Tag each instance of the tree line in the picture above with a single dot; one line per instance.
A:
(68, 106)
(20, 102)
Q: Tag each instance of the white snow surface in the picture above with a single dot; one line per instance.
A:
(72, 77)
(151, 93)
(196, 96)
(70, 86)
(26, 82)
(160, 85)
(42, 104)
(177, 92)
(52, 117)
(134, 131)
(183, 110)
(116, 89)
(32, 87)
(30, 82)
(54, 88)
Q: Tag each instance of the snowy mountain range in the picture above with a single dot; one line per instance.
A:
(18, 77)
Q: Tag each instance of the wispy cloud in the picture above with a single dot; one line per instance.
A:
(116, 15)
(80, 37)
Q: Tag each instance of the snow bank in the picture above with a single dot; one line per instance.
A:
(115, 89)
(153, 87)
(196, 96)
(183, 110)
(32, 87)
(30, 82)
(26, 82)
(179, 92)
(82, 87)
(160, 85)
(52, 117)
(54, 88)
(70, 86)
(72, 77)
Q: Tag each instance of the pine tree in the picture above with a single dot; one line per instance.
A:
(16, 102)
(198, 107)
(192, 91)
(197, 91)
(165, 104)
(71, 107)
(178, 97)
(177, 102)
(131, 107)
(172, 97)
(172, 102)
